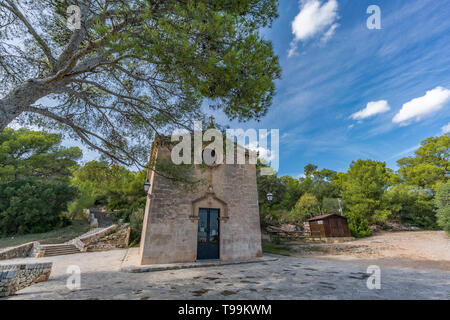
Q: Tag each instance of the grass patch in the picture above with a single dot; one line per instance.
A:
(62, 235)
(280, 249)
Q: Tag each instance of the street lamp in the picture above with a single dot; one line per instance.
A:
(146, 186)
(270, 196)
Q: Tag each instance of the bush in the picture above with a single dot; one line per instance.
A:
(442, 202)
(358, 225)
(306, 207)
(85, 199)
(276, 215)
(31, 206)
(136, 222)
(411, 205)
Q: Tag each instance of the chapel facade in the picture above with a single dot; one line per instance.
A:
(217, 221)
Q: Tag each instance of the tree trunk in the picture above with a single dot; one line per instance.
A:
(15, 102)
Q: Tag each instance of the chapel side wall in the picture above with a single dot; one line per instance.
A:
(169, 231)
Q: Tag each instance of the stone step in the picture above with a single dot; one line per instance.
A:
(60, 246)
(50, 254)
(62, 250)
(59, 250)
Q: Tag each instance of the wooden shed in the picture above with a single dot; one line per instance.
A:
(329, 226)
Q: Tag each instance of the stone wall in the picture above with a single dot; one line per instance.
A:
(116, 236)
(22, 251)
(19, 276)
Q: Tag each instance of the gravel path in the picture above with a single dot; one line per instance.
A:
(420, 250)
(286, 278)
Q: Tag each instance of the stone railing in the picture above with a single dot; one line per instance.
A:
(19, 276)
(79, 244)
(22, 251)
(115, 236)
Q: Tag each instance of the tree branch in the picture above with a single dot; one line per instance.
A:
(45, 48)
(84, 135)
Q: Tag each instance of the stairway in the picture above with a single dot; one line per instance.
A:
(59, 249)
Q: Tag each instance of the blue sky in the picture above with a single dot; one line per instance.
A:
(340, 66)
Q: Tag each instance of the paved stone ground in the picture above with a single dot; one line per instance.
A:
(286, 278)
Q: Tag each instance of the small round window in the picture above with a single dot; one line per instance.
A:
(209, 157)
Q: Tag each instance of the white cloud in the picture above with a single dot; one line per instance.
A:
(417, 108)
(313, 19)
(372, 108)
(406, 152)
(446, 129)
(330, 33)
(264, 153)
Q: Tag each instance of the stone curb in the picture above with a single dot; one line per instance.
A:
(190, 265)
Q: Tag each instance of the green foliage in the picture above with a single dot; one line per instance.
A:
(310, 169)
(60, 235)
(443, 204)
(275, 215)
(307, 207)
(31, 206)
(410, 205)
(293, 192)
(141, 67)
(331, 205)
(362, 188)
(25, 153)
(180, 175)
(272, 248)
(273, 185)
(86, 198)
(136, 222)
(359, 228)
(295, 200)
(114, 186)
(318, 183)
(276, 240)
(371, 193)
(427, 169)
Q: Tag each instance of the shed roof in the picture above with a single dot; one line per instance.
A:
(326, 216)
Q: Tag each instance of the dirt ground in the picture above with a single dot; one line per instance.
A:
(417, 250)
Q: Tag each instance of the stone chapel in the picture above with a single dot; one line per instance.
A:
(218, 221)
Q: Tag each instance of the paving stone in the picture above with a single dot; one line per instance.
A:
(101, 278)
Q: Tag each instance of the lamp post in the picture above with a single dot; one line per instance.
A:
(146, 186)
(270, 196)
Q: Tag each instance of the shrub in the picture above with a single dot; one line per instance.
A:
(136, 222)
(411, 205)
(442, 202)
(306, 207)
(31, 206)
(358, 225)
(86, 198)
